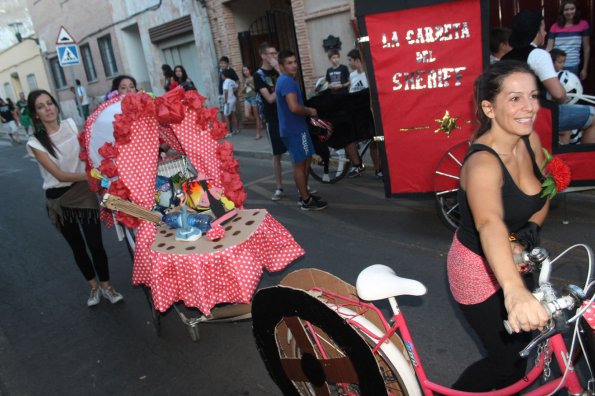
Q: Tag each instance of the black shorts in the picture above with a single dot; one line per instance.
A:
(275, 138)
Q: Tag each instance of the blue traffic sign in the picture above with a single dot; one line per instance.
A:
(68, 55)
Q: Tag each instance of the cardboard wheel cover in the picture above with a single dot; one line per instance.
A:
(271, 305)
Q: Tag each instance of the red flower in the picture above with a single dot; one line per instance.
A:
(84, 156)
(194, 100)
(108, 168)
(122, 128)
(169, 107)
(556, 175)
(118, 188)
(126, 220)
(560, 171)
(108, 150)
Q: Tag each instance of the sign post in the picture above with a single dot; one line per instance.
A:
(69, 55)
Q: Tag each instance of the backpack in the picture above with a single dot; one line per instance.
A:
(259, 98)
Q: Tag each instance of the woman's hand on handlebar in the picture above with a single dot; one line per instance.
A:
(525, 312)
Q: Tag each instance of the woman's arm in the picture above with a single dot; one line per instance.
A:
(44, 159)
(482, 180)
(586, 55)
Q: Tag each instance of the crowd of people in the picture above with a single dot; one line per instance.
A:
(565, 49)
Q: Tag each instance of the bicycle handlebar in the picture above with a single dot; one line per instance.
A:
(538, 259)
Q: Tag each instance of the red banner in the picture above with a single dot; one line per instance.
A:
(425, 62)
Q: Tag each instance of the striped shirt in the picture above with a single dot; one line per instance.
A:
(570, 40)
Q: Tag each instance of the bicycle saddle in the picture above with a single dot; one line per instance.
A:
(379, 282)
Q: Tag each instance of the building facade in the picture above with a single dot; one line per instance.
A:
(130, 37)
(22, 69)
(304, 26)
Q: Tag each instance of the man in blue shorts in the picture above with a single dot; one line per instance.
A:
(294, 129)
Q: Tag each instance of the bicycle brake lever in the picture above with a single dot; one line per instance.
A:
(549, 331)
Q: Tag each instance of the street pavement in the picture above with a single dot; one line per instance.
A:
(52, 344)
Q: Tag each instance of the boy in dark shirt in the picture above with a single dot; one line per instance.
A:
(337, 75)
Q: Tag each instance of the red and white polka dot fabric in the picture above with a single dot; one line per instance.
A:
(199, 280)
(231, 275)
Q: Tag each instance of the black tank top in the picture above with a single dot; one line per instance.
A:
(518, 206)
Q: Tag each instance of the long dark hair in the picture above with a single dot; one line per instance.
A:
(38, 128)
(184, 74)
(167, 71)
(116, 81)
(489, 84)
(577, 15)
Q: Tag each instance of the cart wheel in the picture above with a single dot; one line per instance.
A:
(155, 315)
(309, 349)
(330, 170)
(193, 330)
(446, 184)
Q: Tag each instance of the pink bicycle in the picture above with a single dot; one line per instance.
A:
(318, 336)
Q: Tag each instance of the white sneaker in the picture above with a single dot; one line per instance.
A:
(94, 297)
(278, 195)
(112, 295)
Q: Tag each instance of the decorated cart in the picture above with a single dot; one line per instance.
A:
(422, 60)
(173, 190)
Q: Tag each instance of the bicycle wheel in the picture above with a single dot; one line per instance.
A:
(330, 166)
(446, 184)
(337, 361)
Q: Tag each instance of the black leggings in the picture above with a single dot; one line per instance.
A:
(503, 366)
(71, 230)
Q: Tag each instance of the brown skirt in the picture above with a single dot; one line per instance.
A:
(78, 204)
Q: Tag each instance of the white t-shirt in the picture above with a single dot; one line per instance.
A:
(80, 91)
(541, 62)
(358, 81)
(66, 145)
(228, 86)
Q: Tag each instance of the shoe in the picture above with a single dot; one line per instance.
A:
(355, 171)
(301, 200)
(313, 204)
(94, 297)
(235, 132)
(112, 295)
(278, 194)
(312, 190)
(379, 174)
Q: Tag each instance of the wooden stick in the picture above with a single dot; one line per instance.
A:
(116, 203)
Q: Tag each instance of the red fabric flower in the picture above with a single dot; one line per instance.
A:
(560, 171)
(172, 85)
(122, 125)
(194, 100)
(108, 168)
(138, 105)
(108, 151)
(216, 232)
(169, 107)
(126, 220)
(84, 156)
(118, 188)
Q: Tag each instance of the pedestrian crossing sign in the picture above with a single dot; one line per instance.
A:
(68, 55)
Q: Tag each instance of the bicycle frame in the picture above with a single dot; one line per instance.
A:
(557, 345)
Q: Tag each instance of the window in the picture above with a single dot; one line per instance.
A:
(7, 90)
(57, 73)
(88, 63)
(32, 82)
(107, 56)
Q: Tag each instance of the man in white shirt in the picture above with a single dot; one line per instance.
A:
(81, 94)
(528, 34)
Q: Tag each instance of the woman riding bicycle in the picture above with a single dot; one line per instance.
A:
(499, 196)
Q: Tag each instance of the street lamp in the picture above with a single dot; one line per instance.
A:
(16, 26)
